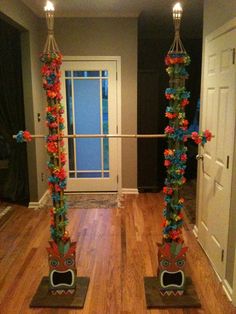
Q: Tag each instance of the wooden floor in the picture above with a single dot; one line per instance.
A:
(116, 248)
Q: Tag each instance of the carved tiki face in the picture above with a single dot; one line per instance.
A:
(62, 268)
(172, 260)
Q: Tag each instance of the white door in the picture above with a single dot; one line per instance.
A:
(218, 115)
(90, 95)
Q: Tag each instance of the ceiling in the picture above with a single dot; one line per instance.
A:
(111, 8)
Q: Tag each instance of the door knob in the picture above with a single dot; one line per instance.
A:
(199, 157)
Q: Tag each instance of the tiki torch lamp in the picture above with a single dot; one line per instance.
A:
(171, 285)
(50, 45)
(177, 45)
(62, 287)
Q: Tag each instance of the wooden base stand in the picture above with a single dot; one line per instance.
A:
(155, 300)
(44, 298)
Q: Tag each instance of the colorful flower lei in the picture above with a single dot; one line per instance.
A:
(176, 154)
(201, 138)
(55, 144)
(23, 136)
(177, 58)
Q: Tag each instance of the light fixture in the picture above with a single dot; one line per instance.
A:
(177, 46)
(49, 6)
(50, 45)
(177, 11)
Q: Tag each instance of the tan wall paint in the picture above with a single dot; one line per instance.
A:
(17, 13)
(109, 37)
(216, 14)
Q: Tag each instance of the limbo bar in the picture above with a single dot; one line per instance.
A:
(106, 136)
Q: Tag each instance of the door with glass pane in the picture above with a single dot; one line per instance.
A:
(89, 92)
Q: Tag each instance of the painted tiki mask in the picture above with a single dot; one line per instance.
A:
(172, 260)
(62, 268)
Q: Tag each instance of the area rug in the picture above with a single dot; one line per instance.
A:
(89, 201)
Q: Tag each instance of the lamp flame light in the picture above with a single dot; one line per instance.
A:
(49, 6)
(50, 45)
(177, 11)
(177, 46)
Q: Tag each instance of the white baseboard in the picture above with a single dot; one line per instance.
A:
(227, 289)
(40, 202)
(195, 231)
(33, 204)
(129, 191)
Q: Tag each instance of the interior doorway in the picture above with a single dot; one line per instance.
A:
(90, 91)
(155, 36)
(216, 167)
(14, 185)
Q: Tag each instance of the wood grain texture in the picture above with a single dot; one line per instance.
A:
(116, 248)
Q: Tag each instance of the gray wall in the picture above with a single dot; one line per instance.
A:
(216, 14)
(109, 37)
(78, 37)
(18, 14)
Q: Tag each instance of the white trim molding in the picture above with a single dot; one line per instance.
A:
(195, 231)
(41, 202)
(227, 289)
(129, 191)
(234, 283)
(117, 59)
(227, 27)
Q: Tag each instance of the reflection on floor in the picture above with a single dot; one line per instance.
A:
(116, 248)
(5, 211)
(189, 194)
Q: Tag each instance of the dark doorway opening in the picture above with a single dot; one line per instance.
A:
(155, 36)
(14, 185)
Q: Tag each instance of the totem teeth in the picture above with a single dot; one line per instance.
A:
(62, 292)
(171, 292)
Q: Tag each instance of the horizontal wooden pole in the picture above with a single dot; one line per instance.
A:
(115, 136)
(106, 136)
(103, 136)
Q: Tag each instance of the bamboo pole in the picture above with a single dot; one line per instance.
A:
(106, 136)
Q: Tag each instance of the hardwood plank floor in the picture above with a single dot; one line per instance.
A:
(116, 248)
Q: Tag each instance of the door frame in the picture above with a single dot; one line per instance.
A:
(230, 291)
(117, 59)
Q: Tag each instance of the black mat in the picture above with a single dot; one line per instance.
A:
(155, 300)
(43, 297)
